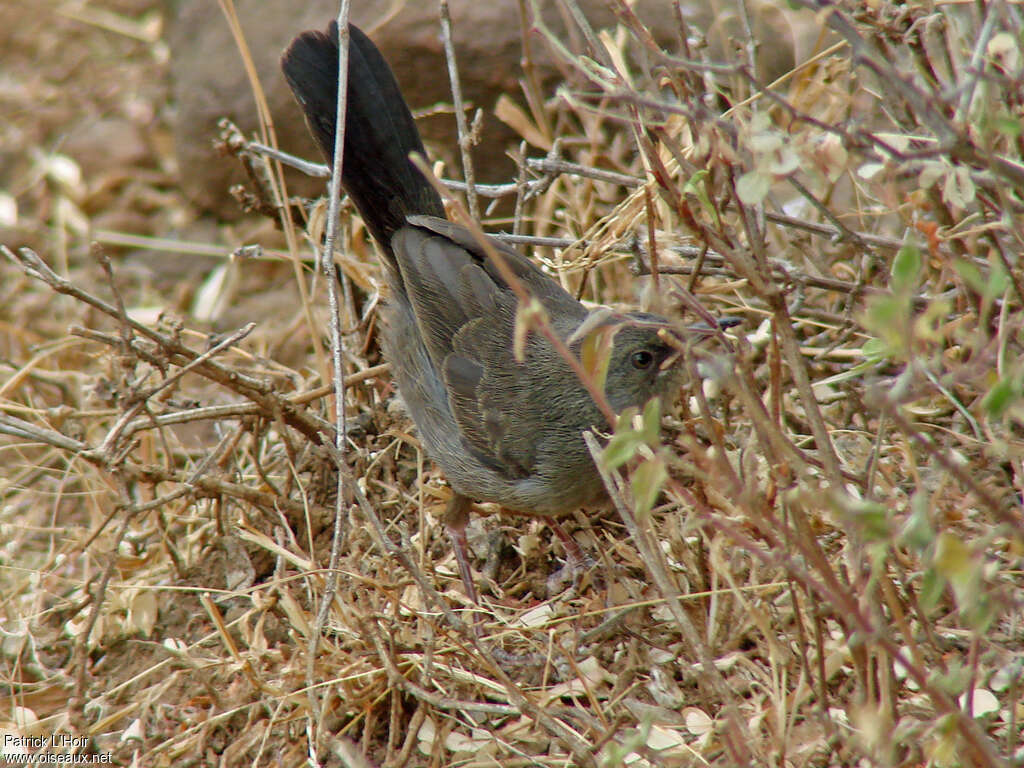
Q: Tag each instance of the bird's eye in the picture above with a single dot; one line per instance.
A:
(641, 359)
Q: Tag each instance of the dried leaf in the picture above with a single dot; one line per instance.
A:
(516, 118)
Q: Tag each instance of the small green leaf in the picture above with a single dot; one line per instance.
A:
(932, 587)
(647, 482)
(918, 532)
(952, 557)
(954, 679)
(596, 352)
(621, 448)
(905, 268)
(991, 288)
(998, 280)
(875, 350)
(958, 187)
(652, 421)
(697, 185)
(956, 563)
(784, 162)
(753, 187)
(624, 420)
(1008, 126)
(928, 325)
(765, 142)
(970, 274)
(979, 613)
(1000, 397)
(620, 749)
(873, 520)
(885, 316)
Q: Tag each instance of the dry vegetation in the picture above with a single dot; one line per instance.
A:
(816, 561)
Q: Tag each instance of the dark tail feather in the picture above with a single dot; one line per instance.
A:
(379, 130)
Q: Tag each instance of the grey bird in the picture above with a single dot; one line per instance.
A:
(502, 429)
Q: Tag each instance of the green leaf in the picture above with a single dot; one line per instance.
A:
(873, 519)
(784, 162)
(979, 614)
(1008, 126)
(905, 268)
(958, 187)
(875, 351)
(621, 448)
(634, 741)
(624, 420)
(647, 482)
(918, 532)
(887, 310)
(928, 325)
(991, 288)
(998, 280)
(932, 587)
(887, 316)
(596, 352)
(697, 185)
(970, 274)
(652, 421)
(753, 187)
(1000, 397)
(955, 679)
(952, 557)
(956, 563)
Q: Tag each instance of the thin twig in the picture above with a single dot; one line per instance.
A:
(465, 138)
(257, 391)
(338, 361)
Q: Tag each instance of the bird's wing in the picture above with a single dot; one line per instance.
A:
(538, 284)
(466, 315)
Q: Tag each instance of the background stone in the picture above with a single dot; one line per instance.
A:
(209, 81)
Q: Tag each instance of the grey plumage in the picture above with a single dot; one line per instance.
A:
(502, 430)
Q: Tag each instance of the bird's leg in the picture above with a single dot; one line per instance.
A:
(576, 563)
(456, 516)
(572, 549)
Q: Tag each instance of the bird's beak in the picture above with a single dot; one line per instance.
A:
(681, 339)
(704, 329)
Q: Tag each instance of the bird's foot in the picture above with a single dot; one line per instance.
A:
(577, 564)
(570, 575)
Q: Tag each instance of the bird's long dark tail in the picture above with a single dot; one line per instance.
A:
(379, 130)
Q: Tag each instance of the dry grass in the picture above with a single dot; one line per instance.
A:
(817, 561)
